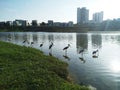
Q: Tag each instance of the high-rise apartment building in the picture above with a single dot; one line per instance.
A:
(34, 23)
(98, 17)
(82, 15)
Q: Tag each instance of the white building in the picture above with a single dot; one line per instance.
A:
(98, 17)
(82, 15)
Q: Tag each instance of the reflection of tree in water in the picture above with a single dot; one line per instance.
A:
(96, 41)
(43, 38)
(62, 37)
(16, 37)
(82, 41)
(50, 38)
(112, 38)
(24, 36)
(118, 39)
(35, 37)
(9, 37)
(28, 37)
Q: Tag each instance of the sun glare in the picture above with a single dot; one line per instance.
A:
(109, 7)
(115, 66)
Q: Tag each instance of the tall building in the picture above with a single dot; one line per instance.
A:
(82, 15)
(98, 17)
(34, 23)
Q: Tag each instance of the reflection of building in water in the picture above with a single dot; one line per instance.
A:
(81, 41)
(96, 41)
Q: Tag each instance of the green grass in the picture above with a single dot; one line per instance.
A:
(25, 68)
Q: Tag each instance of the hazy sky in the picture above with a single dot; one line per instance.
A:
(57, 10)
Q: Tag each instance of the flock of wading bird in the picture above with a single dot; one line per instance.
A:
(94, 53)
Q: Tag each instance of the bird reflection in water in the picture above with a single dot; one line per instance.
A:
(82, 59)
(50, 54)
(50, 48)
(66, 57)
(94, 56)
(32, 43)
(81, 52)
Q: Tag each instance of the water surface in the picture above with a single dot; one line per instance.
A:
(101, 70)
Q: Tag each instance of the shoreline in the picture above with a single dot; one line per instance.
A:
(33, 67)
(59, 30)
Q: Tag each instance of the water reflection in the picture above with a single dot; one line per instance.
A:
(115, 66)
(81, 42)
(82, 59)
(93, 58)
(96, 41)
(50, 53)
(66, 57)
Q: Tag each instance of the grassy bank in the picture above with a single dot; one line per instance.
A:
(25, 68)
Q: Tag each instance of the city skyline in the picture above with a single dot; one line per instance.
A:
(59, 11)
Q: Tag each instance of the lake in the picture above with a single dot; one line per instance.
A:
(93, 58)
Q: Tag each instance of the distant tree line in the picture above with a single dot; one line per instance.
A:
(104, 26)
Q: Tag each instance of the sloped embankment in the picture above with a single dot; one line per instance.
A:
(25, 68)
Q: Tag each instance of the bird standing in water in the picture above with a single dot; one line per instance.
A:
(26, 41)
(32, 43)
(65, 48)
(41, 44)
(51, 45)
(94, 52)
